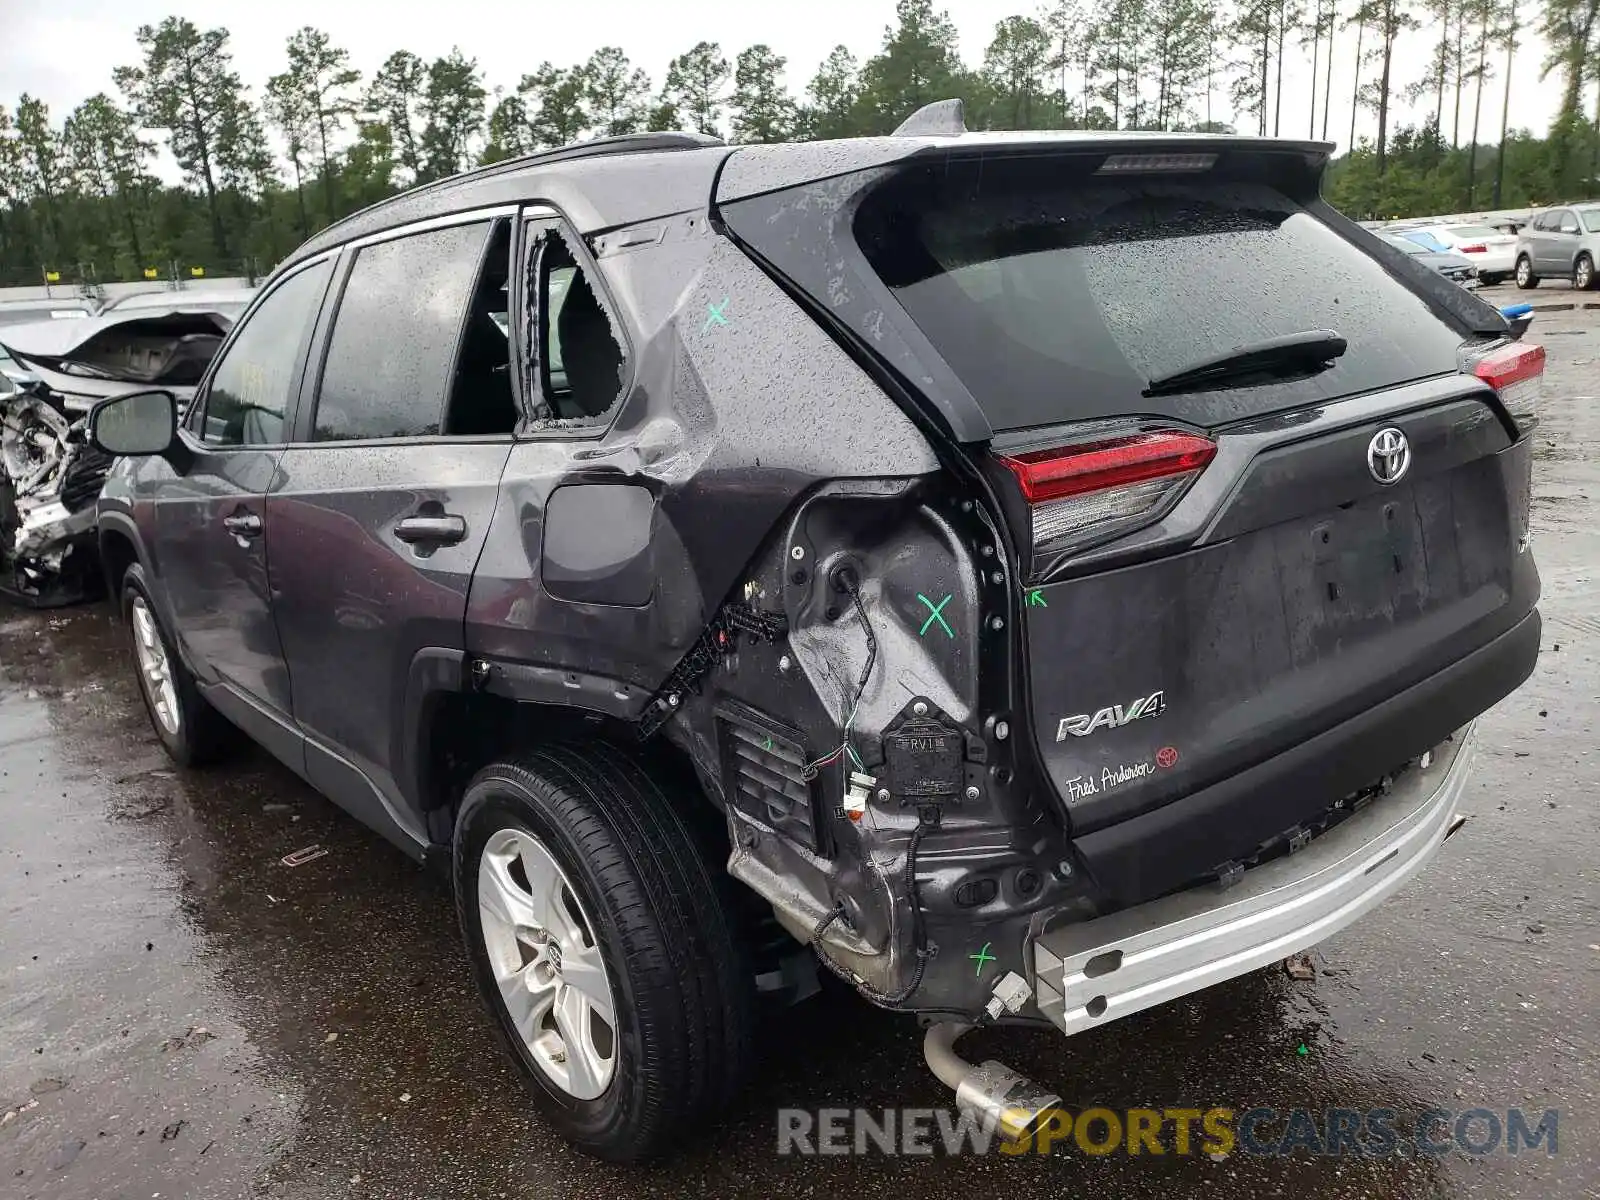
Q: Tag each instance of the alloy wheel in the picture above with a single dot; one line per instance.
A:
(156, 668)
(547, 963)
(1583, 277)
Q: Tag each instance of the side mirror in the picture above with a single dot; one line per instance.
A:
(136, 424)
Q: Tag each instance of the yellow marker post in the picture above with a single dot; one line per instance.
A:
(52, 276)
(197, 272)
(149, 272)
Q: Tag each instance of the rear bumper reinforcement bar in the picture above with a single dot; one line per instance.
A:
(1095, 971)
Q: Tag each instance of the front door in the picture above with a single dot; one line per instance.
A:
(210, 522)
(376, 517)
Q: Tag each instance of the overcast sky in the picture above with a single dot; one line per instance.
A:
(64, 50)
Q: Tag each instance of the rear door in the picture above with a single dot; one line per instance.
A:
(1565, 241)
(210, 520)
(378, 512)
(1545, 242)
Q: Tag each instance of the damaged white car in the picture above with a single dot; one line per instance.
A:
(52, 373)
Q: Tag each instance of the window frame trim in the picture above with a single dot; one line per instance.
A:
(534, 370)
(200, 401)
(317, 359)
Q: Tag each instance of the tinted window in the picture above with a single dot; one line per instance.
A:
(481, 399)
(393, 347)
(1056, 298)
(1400, 243)
(250, 387)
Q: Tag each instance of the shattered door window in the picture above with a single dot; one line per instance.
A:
(580, 368)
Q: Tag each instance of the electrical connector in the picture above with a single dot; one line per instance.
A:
(1010, 994)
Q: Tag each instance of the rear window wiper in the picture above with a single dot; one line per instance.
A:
(1311, 350)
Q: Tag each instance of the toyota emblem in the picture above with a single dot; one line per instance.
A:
(1388, 455)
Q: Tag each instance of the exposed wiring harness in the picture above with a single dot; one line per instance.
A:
(809, 771)
(927, 818)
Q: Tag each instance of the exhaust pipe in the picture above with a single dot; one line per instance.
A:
(1000, 1098)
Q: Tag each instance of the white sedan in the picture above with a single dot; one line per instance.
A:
(1492, 252)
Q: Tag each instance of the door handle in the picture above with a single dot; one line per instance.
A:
(446, 530)
(243, 525)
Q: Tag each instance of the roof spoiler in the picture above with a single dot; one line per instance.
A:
(942, 118)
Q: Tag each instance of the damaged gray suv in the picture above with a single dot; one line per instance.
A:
(728, 561)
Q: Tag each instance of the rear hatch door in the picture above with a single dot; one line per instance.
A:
(1214, 568)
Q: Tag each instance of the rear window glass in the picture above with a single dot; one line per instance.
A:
(1473, 231)
(1056, 295)
(1591, 219)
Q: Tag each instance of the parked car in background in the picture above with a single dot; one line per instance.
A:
(55, 371)
(1454, 267)
(1560, 243)
(227, 300)
(23, 312)
(1494, 253)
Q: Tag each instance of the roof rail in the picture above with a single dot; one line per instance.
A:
(622, 143)
(942, 118)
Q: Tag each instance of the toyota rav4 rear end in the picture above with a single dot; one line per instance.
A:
(1233, 548)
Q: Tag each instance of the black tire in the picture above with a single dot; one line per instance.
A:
(204, 735)
(1526, 279)
(682, 984)
(1583, 274)
(1489, 280)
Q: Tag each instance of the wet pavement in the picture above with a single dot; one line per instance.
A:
(183, 1016)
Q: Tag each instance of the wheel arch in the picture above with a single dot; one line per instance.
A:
(120, 547)
(462, 713)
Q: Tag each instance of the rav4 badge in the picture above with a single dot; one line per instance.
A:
(1114, 717)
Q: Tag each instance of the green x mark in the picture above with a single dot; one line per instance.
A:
(716, 314)
(981, 957)
(935, 613)
(1036, 599)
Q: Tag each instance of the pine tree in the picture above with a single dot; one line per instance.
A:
(396, 97)
(762, 109)
(696, 86)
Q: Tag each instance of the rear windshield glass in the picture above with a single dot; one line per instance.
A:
(1591, 219)
(1058, 295)
(1473, 231)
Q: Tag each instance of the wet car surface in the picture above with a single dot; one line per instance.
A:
(183, 1015)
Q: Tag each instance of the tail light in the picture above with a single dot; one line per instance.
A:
(1475, 248)
(1516, 372)
(1083, 491)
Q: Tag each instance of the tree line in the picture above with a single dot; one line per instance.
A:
(78, 195)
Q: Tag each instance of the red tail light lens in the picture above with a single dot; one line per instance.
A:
(1516, 371)
(1475, 248)
(1077, 491)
